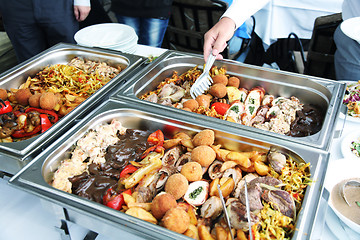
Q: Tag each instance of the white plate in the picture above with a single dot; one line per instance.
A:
(105, 35)
(346, 143)
(337, 171)
(351, 28)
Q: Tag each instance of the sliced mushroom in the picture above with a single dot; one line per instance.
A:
(234, 173)
(185, 158)
(171, 156)
(212, 208)
(164, 174)
(214, 170)
(277, 160)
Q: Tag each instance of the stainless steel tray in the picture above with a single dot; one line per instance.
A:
(35, 176)
(24, 151)
(325, 93)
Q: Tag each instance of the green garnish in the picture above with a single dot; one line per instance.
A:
(235, 108)
(251, 108)
(196, 192)
(357, 203)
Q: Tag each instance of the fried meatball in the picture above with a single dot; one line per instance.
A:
(234, 81)
(218, 90)
(204, 100)
(22, 96)
(205, 137)
(176, 219)
(3, 94)
(192, 171)
(48, 101)
(191, 104)
(34, 100)
(204, 155)
(220, 78)
(161, 204)
(176, 185)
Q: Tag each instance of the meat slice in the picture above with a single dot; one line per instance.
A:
(277, 161)
(254, 195)
(255, 191)
(281, 201)
(238, 216)
(171, 156)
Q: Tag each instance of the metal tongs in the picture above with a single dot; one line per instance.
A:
(352, 183)
(204, 81)
(248, 209)
(225, 212)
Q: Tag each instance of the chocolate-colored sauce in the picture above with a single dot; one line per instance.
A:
(93, 185)
(308, 121)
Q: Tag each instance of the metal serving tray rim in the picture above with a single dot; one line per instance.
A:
(43, 189)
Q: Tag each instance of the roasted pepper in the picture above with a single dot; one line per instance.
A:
(156, 138)
(128, 170)
(45, 122)
(113, 199)
(5, 107)
(21, 133)
(54, 115)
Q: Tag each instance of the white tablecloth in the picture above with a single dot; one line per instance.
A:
(281, 17)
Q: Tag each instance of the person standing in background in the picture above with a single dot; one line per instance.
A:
(347, 54)
(149, 18)
(35, 25)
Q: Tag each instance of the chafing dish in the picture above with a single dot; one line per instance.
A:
(324, 93)
(35, 176)
(17, 154)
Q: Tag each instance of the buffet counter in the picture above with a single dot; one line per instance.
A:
(24, 215)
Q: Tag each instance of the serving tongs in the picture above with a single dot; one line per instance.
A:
(350, 183)
(204, 81)
(225, 212)
(248, 209)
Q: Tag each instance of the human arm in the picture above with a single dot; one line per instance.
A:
(240, 10)
(81, 9)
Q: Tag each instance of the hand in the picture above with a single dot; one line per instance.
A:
(215, 39)
(81, 12)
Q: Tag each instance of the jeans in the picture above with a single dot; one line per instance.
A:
(347, 57)
(150, 31)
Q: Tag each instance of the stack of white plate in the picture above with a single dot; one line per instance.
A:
(114, 36)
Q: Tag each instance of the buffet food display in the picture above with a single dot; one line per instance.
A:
(173, 182)
(226, 100)
(45, 95)
(49, 95)
(148, 159)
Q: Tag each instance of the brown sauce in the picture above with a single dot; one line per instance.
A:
(352, 194)
(92, 185)
(308, 121)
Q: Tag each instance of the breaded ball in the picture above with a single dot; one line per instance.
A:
(205, 137)
(234, 81)
(204, 155)
(218, 90)
(176, 185)
(220, 78)
(191, 104)
(48, 101)
(161, 204)
(176, 219)
(3, 94)
(34, 100)
(203, 100)
(22, 96)
(192, 171)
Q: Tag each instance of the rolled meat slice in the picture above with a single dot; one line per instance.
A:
(214, 170)
(212, 208)
(171, 156)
